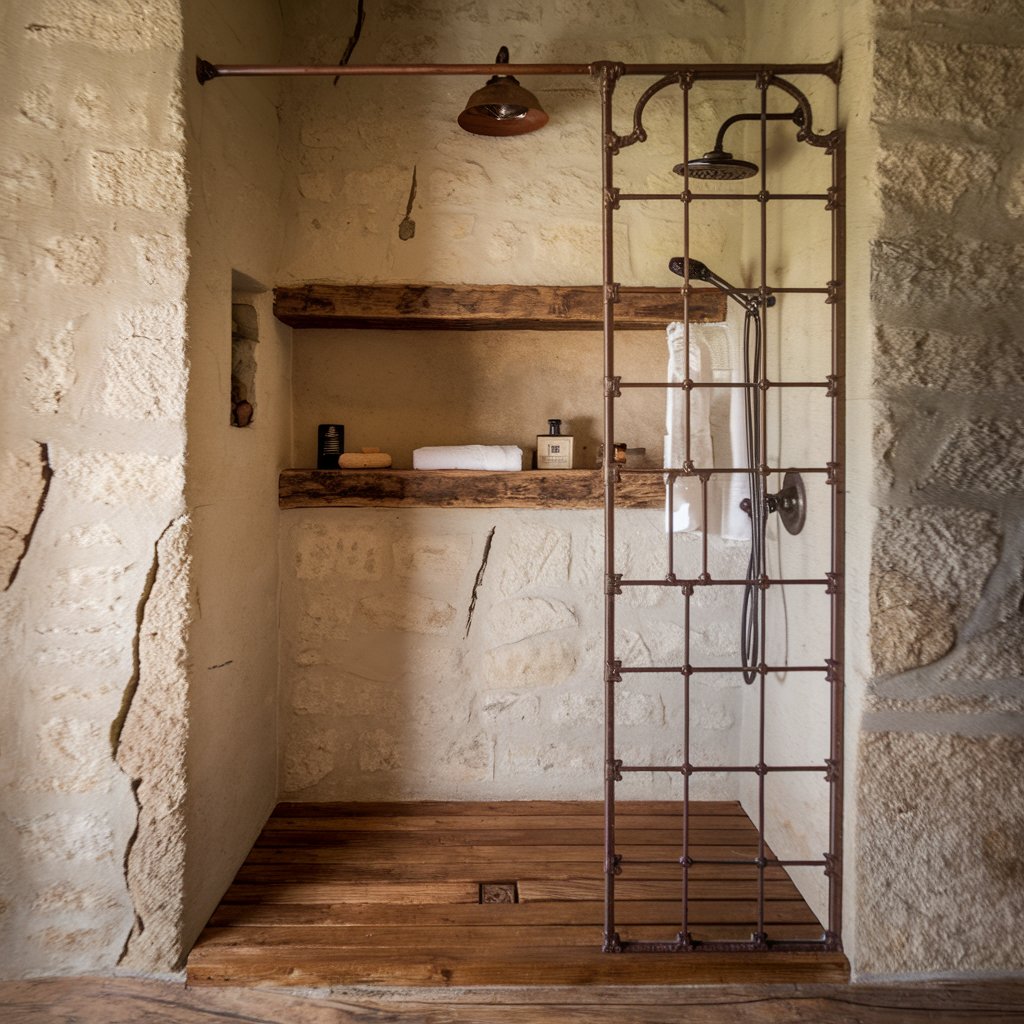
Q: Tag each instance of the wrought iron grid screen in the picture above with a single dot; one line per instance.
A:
(691, 587)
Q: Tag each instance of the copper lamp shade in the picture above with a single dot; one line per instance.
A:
(502, 107)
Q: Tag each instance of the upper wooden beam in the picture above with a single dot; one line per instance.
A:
(486, 307)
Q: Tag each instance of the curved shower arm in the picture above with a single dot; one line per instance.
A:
(797, 117)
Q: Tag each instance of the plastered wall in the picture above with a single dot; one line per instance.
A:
(234, 239)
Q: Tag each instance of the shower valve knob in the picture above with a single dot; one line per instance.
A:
(790, 502)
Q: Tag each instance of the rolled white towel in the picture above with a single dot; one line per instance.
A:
(504, 458)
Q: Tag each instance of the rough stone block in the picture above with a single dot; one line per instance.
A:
(932, 176)
(937, 274)
(27, 178)
(554, 758)
(504, 707)
(77, 259)
(121, 26)
(61, 836)
(326, 552)
(145, 179)
(51, 374)
(379, 751)
(92, 535)
(144, 372)
(956, 805)
(535, 557)
(940, 361)
(928, 570)
(1015, 193)
(407, 613)
(982, 456)
(468, 759)
(522, 617)
(442, 555)
(117, 478)
(996, 653)
(161, 257)
(73, 756)
(67, 897)
(912, 82)
(37, 108)
(536, 662)
(579, 708)
(310, 757)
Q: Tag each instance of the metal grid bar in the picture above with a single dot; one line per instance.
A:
(758, 472)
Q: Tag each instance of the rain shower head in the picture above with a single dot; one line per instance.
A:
(717, 165)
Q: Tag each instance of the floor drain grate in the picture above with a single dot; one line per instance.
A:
(499, 892)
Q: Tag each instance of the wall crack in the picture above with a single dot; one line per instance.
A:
(407, 229)
(47, 474)
(479, 580)
(353, 39)
(117, 726)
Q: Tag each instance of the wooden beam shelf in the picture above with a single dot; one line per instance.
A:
(451, 488)
(485, 307)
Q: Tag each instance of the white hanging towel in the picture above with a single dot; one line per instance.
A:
(503, 458)
(735, 486)
(685, 512)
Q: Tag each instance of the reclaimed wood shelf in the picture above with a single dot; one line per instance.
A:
(485, 307)
(461, 488)
(398, 894)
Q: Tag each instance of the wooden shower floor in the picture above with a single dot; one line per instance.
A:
(388, 894)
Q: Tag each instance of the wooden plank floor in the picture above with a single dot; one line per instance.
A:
(389, 894)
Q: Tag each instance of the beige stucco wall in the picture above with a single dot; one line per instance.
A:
(96, 573)
(233, 231)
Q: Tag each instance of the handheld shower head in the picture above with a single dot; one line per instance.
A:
(701, 272)
(698, 271)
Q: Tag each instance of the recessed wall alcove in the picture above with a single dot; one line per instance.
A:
(439, 638)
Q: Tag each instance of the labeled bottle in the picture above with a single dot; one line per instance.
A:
(554, 449)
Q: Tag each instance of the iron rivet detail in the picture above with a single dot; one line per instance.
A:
(613, 771)
(763, 196)
(612, 943)
(832, 391)
(612, 388)
(831, 772)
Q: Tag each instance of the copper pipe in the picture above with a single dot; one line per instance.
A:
(205, 70)
(608, 79)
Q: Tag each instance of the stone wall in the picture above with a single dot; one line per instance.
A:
(940, 878)
(436, 654)
(96, 575)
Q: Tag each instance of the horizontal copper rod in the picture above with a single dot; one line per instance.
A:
(206, 70)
